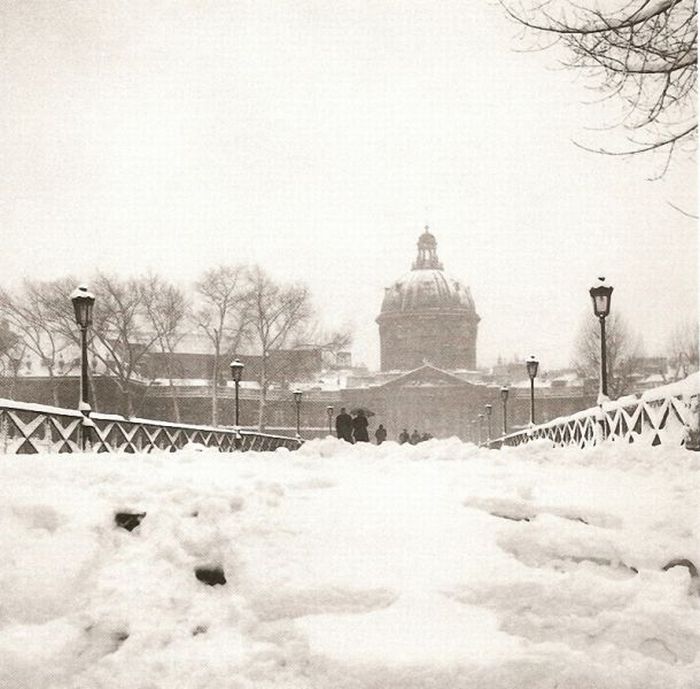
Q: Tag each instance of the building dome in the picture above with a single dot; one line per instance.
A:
(427, 289)
(427, 316)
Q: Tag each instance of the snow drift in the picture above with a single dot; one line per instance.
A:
(439, 565)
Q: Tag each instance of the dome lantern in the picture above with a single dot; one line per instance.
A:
(427, 258)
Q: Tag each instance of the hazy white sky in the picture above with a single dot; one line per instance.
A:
(317, 138)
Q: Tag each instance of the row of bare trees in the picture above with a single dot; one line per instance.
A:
(237, 308)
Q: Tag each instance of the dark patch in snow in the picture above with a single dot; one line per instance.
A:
(510, 517)
(119, 638)
(210, 575)
(128, 520)
(682, 562)
(199, 629)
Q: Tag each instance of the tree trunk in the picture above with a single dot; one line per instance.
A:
(54, 389)
(93, 390)
(176, 402)
(215, 391)
(263, 393)
(173, 393)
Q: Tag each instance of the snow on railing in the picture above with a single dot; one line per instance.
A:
(31, 428)
(666, 415)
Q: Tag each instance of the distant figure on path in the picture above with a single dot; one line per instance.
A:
(343, 426)
(425, 436)
(415, 437)
(380, 434)
(359, 427)
(403, 436)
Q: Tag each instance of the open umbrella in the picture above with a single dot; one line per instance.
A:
(367, 412)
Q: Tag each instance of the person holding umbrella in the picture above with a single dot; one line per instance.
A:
(359, 426)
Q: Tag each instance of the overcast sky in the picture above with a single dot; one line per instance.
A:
(317, 138)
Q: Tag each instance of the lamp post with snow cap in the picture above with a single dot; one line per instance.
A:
(297, 400)
(489, 411)
(237, 367)
(504, 400)
(83, 301)
(601, 295)
(236, 374)
(481, 427)
(330, 411)
(532, 364)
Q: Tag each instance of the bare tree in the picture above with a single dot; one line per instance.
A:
(29, 312)
(277, 313)
(166, 310)
(223, 315)
(61, 319)
(624, 352)
(683, 348)
(642, 51)
(120, 341)
(315, 337)
(12, 350)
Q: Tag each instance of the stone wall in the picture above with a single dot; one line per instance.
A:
(446, 340)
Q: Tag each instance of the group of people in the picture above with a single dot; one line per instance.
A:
(354, 428)
(414, 438)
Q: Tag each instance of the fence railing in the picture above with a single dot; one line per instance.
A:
(668, 415)
(31, 428)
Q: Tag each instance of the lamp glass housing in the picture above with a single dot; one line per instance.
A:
(532, 365)
(601, 295)
(329, 410)
(504, 393)
(297, 396)
(236, 370)
(489, 409)
(83, 301)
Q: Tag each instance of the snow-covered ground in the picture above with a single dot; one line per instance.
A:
(439, 566)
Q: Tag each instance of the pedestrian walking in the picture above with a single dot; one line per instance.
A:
(359, 427)
(343, 426)
(380, 434)
(415, 437)
(403, 436)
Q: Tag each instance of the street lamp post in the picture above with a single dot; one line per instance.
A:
(236, 374)
(489, 410)
(504, 400)
(532, 364)
(330, 411)
(83, 301)
(601, 295)
(297, 400)
(481, 428)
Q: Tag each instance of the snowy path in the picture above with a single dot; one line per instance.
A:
(439, 566)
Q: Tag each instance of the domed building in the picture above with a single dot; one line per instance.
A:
(427, 317)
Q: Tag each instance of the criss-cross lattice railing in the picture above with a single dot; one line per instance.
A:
(31, 428)
(666, 415)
